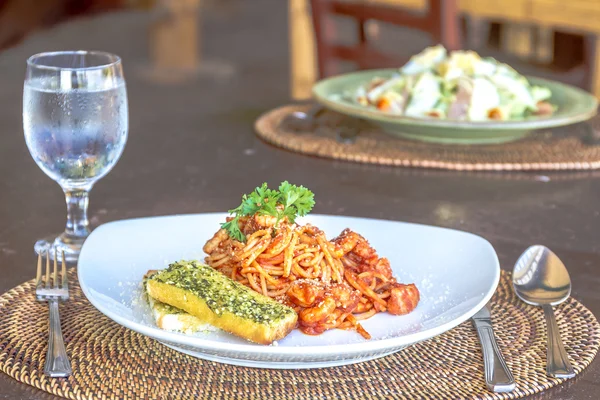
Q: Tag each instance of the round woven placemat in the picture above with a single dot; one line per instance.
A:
(112, 362)
(574, 147)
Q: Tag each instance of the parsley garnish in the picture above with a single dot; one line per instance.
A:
(289, 201)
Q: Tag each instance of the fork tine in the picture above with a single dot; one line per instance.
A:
(65, 281)
(55, 277)
(47, 282)
(38, 275)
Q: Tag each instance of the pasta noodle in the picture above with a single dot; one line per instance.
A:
(331, 284)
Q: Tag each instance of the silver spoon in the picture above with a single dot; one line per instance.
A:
(303, 121)
(541, 279)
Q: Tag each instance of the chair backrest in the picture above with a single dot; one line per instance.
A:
(440, 20)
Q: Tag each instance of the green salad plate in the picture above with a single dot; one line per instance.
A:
(336, 93)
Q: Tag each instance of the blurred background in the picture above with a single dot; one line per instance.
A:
(302, 40)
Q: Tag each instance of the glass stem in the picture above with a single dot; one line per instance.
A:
(77, 220)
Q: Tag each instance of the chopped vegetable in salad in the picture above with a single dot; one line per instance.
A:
(459, 86)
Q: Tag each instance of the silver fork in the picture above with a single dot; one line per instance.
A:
(57, 363)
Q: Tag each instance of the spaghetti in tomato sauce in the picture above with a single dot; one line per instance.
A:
(329, 283)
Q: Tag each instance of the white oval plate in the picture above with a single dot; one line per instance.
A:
(456, 273)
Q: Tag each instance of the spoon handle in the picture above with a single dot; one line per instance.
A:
(557, 361)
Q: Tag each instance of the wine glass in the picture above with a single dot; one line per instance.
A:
(75, 119)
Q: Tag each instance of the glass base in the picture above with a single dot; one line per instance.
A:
(50, 245)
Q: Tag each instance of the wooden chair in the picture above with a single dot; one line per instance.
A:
(440, 19)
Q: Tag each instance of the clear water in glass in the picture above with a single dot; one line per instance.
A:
(75, 120)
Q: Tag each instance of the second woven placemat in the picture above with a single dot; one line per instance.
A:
(112, 362)
(574, 147)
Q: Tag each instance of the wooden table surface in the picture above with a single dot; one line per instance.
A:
(192, 149)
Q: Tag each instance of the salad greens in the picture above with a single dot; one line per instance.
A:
(459, 85)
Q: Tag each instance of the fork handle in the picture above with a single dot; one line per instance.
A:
(57, 363)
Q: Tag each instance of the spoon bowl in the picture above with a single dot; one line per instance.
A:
(303, 121)
(541, 279)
